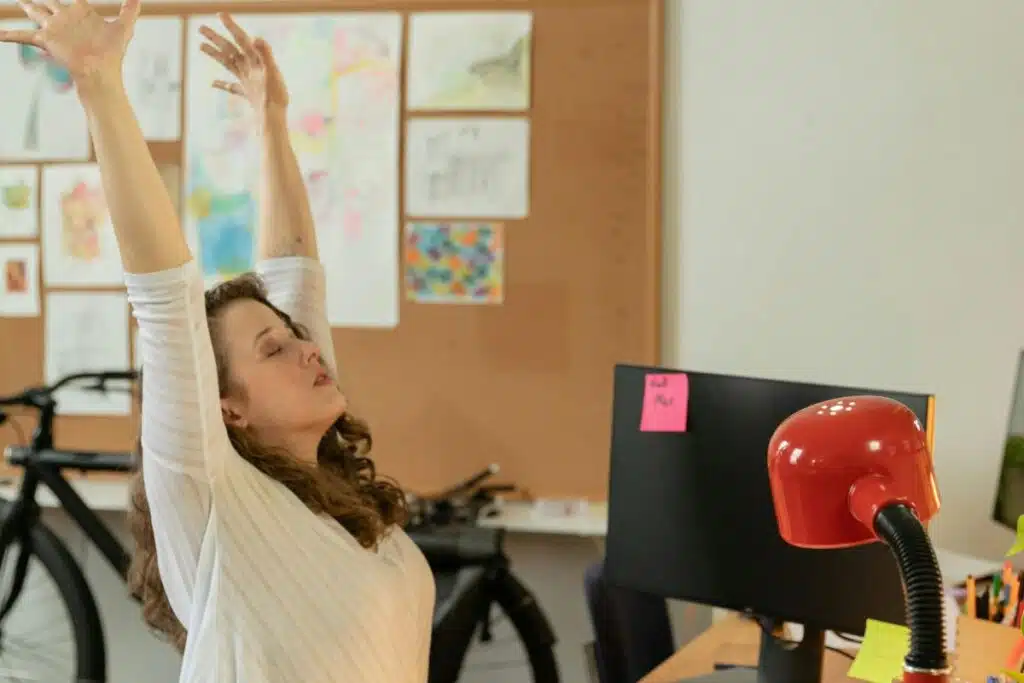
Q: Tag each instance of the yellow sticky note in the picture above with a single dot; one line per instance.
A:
(1018, 544)
(880, 659)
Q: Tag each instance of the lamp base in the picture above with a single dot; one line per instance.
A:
(779, 661)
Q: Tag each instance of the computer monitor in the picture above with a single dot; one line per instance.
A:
(691, 514)
(1009, 504)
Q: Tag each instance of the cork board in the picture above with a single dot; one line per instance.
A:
(526, 384)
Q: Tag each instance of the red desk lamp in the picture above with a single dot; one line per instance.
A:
(855, 470)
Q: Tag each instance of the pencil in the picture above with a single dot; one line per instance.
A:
(1011, 605)
(972, 597)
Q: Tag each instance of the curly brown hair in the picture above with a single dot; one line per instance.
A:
(343, 483)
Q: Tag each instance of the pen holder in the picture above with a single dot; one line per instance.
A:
(991, 600)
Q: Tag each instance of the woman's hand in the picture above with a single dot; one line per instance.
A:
(252, 64)
(90, 47)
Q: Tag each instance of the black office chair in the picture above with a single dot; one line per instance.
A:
(632, 630)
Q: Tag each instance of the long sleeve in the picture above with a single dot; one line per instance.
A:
(297, 285)
(184, 441)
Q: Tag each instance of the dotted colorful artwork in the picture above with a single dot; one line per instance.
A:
(455, 262)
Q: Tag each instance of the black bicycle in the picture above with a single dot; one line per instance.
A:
(473, 578)
(50, 626)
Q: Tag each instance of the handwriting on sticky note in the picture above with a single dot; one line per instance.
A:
(881, 654)
(666, 402)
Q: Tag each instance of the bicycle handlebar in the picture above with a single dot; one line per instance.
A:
(462, 503)
(39, 397)
(467, 486)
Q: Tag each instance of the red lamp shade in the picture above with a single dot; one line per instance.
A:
(835, 464)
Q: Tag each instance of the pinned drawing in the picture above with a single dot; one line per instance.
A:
(19, 280)
(48, 122)
(455, 263)
(18, 191)
(152, 76)
(224, 221)
(470, 61)
(343, 73)
(87, 332)
(467, 168)
(79, 248)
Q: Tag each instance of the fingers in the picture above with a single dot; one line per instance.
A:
(218, 55)
(222, 50)
(23, 36)
(129, 11)
(233, 88)
(34, 11)
(223, 45)
(242, 38)
(52, 5)
(263, 48)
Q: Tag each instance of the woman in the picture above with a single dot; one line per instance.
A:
(268, 549)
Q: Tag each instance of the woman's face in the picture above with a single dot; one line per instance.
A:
(278, 387)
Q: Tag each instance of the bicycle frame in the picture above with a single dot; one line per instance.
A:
(94, 528)
(42, 465)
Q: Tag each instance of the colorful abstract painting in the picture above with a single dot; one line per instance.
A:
(455, 263)
(342, 72)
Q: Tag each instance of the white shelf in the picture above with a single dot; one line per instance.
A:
(521, 517)
(100, 495)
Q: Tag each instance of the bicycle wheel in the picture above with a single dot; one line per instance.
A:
(53, 631)
(531, 625)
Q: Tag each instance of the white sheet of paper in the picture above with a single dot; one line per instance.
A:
(152, 76)
(87, 332)
(19, 201)
(19, 280)
(342, 72)
(45, 119)
(467, 168)
(470, 61)
(79, 247)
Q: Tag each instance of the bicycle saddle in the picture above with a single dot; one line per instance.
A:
(458, 546)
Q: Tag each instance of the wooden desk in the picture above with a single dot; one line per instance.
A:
(982, 649)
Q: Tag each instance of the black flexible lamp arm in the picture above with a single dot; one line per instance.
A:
(902, 531)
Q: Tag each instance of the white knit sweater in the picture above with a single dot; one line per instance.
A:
(269, 591)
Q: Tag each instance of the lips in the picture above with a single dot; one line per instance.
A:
(322, 379)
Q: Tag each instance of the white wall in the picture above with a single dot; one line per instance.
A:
(851, 211)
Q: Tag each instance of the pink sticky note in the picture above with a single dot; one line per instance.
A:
(666, 400)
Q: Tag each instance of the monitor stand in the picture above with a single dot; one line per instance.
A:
(779, 661)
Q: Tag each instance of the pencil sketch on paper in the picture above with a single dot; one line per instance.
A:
(87, 332)
(470, 61)
(46, 120)
(343, 73)
(152, 76)
(468, 168)
(79, 247)
(18, 190)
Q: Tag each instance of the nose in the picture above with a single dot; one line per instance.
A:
(310, 353)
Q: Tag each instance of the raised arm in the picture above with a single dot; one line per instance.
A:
(286, 246)
(92, 49)
(182, 429)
